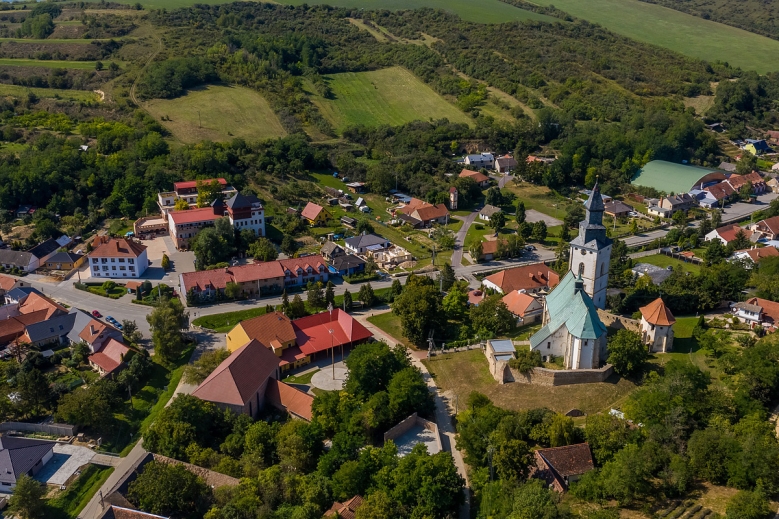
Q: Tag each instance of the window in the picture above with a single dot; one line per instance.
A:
(130, 261)
(581, 269)
(548, 345)
(113, 267)
(602, 268)
(94, 260)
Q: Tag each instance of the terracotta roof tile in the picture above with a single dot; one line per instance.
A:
(200, 214)
(313, 332)
(657, 313)
(475, 175)
(118, 248)
(770, 309)
(111, 356)
(287, 398)
(311, 211)
(759, 253)
(35, 302)
(528, 277)
(571, 460)
(269, 327)
(7, 282)
(518, 302)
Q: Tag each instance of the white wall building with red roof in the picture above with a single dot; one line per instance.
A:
(117, 258)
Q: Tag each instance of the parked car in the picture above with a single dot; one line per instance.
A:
(96, 314)
(110, 319)
(530, 247)
(119, 326)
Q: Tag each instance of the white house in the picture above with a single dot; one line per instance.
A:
(118, 258)
(365, 242)
(488, 211)
(481, 160)
(657, 323)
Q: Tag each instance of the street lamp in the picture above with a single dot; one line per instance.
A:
(332, 352)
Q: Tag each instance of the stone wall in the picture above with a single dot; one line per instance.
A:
(558, 377)
(55, 429)
(618, 322)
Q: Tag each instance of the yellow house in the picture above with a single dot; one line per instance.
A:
(273, 330)
(315, 214)
(756, 147)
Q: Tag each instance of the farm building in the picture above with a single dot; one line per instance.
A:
(677, 178)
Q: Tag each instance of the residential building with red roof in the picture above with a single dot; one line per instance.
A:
(257, 279)
(728, 233)
(315, 214)
(754, 178)
(769, 227)
(110, 359)
(424, 214)
(117, 258)
(657, 323)
(8, 283)
(188, 191)
(561, 466)
(345, 510)
(530, 278)
(755, 254)
(480, 178)
(526, 308)
(505, 164)
(757, 311)
(721, 191)
(243, 211)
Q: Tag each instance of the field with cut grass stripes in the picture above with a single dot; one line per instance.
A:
(677, 31)
(217, 113)
(389, 96)
(75, 95)
(80, 65)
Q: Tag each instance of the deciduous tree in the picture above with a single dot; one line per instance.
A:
(166, 321)
(627, 352)
(27, 501)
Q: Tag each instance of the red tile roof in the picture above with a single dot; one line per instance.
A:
(528, 277)
(111, 356)
(345, 510)
(430, 212)
(218, 278)
(729, 232)
(311, 211)
(770, 309)
(274, 326)
(287, 398)
(313, 332)
(657, 313)
(190, 184)
(35, 302)
(7, 282)
(238, 378)
(518, 302)
(737, 181)
(571, 460)
(720, 191)
(475, 175)
(757, 254)
(118, 248)
(290, 355)
(200, 214)
(769, 224)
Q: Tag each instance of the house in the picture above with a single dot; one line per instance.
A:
(657, 323)
(345, 510)
(20, 456)
(526, 308)
(754, 178)
(7, 283)
(110, 360)
(88, 330)
(530, 278)
(246, 213)
(360, 203)
(758, 311)
(290, 399)
(727, 166)
(356, 187)
(617, 209)
(505, 164)
(768, 227)
(348, 265)
(754, 254)
(120, 512)
(243, 211)
(481, 160)
(315, 214)
(772, 136)
(773, 184)
(45, 250)
(14, 259)
(390, 258)
(52, 331)
(361, 243)
(188, 191)
(296, 342)
(704, 198)
(561, 466)
(25, 210)
(488, 211)
(572, 328)
(65, 261)
(480, 178)
(489, 250)
(424, 213)
(118, 258)
(26, 307)
(681, 202)
(728, 233)
(757, 146)
(656, 210)
(722, 192)
(256, 279)
(331, 250)
(453, 196)
(655, 273)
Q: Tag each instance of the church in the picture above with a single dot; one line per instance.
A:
(571, 326)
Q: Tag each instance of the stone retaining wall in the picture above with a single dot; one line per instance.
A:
(618, 322)
(55, 429)
(558, 377)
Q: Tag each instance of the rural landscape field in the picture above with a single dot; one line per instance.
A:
(389, 259)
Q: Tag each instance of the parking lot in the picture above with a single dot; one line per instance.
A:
(66, 461)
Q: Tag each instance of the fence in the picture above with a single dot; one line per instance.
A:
(682, 257)
(645, 253)
(55, 429)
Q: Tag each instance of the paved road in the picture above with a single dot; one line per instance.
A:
(94, 510)
(459, 239)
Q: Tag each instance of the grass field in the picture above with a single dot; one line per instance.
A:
(225, 112)
(223, 323)
(50, 63)
(72, 501)
(22, 91)
(448, 371)
(661, 260)
(388, 96)
(677, 31)
(482, 11)
(389, 323)
(83, 41)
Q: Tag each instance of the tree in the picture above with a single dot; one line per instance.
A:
(180, 205)
(168, 489)
(18, 350)
(198, 371)
(209, 248)
(419, 309)
(476, 250)
(494, 197)
(715, 252)
(492, 317)
(34, 390)
(633, 226)
(561, 431)
(526, 360)
(299, 445)
(533, 501)
(232, 290)
(297, 308)
(607, 435)
(455, 302)
(745, 191)
(627, 352)
(347, 300)
(207, 192)
(263, 250)
(27, 501)
(396, 289)
(741, 241)
(367, 296)
(446, 277)
(747, 164)
(166, 321)
(330, 294)
(364, 226)
(429, 484)
(185, 421)
(284, 302)
(512, 460)
(377, 505)
(748, 505)
(90, 407)
(165, 263)
(372, 366)
(315, 295)
(679, 219)
(521, 212)
(498, 221)
(525, 230)
(716, 218)
(539, 231)
(288, 245)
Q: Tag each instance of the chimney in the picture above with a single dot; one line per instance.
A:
(91, 329)
(227, 270)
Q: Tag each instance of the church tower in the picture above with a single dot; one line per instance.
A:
(591, 251)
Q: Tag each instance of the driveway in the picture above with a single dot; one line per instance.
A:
(459, 239)
(67, 459)
(533, 216)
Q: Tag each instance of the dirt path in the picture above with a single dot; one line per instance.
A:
(143, 69)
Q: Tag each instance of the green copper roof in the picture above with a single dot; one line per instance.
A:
(570, 308)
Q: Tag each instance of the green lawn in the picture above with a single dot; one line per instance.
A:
(50, 63)
(389, 323)
(301, 379)
(391, 96)
(69, 503)
(677, 31)
(217, 113)
(223, 323)
(661, 260)
(74, 95)
(82, 41)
